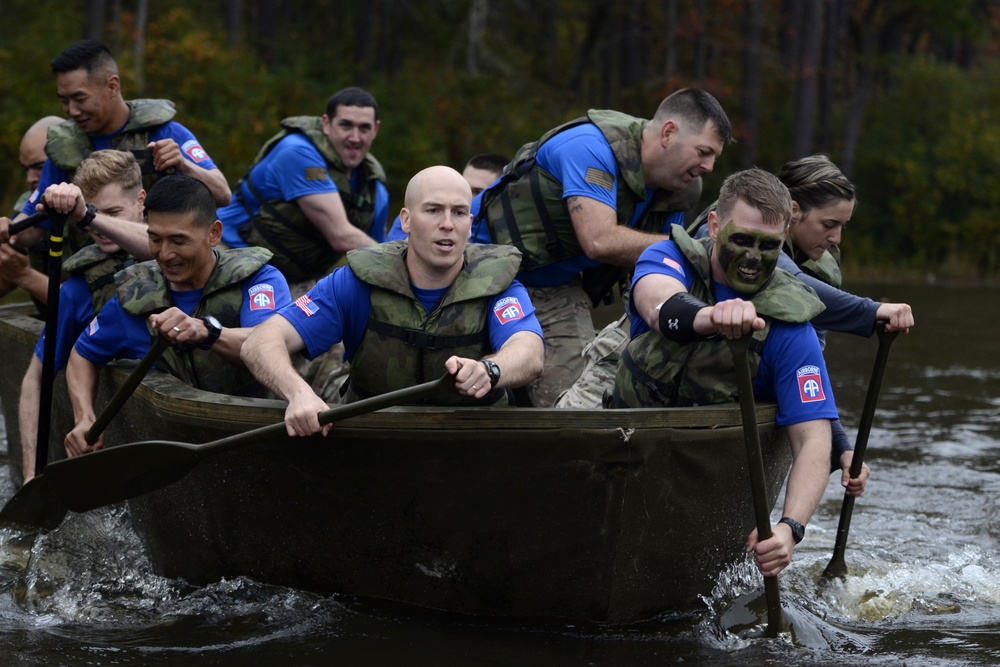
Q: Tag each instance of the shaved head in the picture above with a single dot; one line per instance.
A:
(32, 153)
(434, 178)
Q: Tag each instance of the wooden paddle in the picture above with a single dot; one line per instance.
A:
(755, 464)
(35, 498)
(115, 474)
(837, 567)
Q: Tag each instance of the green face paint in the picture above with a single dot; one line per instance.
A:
(747, 256)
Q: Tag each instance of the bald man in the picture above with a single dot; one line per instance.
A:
(15, 269)
(407, 313)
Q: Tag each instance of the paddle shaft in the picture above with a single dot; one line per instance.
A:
(125, 391)
(755, 465)
(57, 223)
(837, 566)
(27, 223)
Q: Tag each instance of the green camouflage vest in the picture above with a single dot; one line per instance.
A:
(826, 268)
(403, 344)
(300, 250)
(526, 208)
(67, 145)
(142, 291)
(98, 269)
(656, 372)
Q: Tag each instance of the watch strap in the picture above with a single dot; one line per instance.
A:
(88, 217)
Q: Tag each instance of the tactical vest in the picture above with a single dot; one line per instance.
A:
(404, 345)
(825, 269)
(300, 250)
(525, 208)
(143, 290)
(98, 269)
(657, 372)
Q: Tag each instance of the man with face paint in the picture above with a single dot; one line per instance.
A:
(689, 295)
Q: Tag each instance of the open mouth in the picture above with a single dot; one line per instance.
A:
(748, 275)
(445, 244)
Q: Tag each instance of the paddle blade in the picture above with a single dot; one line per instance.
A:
(35, 505)
(114, 474)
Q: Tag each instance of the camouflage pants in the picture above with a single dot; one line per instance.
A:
(564, 313)
(601, 356)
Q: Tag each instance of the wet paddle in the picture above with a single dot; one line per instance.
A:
(115, 474)
(35, 498)
(837, 568)
(755, 464)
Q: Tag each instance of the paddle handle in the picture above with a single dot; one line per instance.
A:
(125, 391)
(27, 223)
(56, 227)
(398, 397)
(755, 465)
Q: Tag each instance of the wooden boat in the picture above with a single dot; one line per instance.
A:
(544, 514)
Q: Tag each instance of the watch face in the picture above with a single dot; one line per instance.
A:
(213, 323)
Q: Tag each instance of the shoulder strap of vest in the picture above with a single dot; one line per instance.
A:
(66, 145)
(84, 258)
(788, 299)
(624, 134)
(147, 113)
(697, 251)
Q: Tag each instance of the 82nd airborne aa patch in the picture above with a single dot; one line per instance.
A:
(810, 384)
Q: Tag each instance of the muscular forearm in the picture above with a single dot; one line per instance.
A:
(266, 354)
(521, 359)
(27, 415)
(807, 480)
(230, 343)
(81, 383)
(131, 236)
(36, 284)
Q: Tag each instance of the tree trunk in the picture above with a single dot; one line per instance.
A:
(141, 18)
(96, 12)
(806, 90)
(789, 45)
(234, 22)
(583, 56)
(836, 22)
(753, 28)
(478, 15)
(700, 41)
(364, 21)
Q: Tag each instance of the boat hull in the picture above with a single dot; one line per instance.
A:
(603, 516)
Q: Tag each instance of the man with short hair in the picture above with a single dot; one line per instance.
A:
(89, 87)
(202, 300)
(111, 182)
(585, 200)
(16, 269)
(409, 311)
(689, 295)
(314, 191)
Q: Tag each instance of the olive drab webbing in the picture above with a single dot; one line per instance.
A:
(98, 269)
(525, 208)
(300, 249)
(143, 290)
(67, 145)
(405, 345)
(655, 371)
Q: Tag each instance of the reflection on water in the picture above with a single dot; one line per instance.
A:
(923, 584)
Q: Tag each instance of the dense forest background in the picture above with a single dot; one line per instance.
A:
(903, 94)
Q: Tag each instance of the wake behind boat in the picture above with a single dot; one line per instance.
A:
(603, 516)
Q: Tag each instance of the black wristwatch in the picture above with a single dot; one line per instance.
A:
(88, 217)
(214, 331)
(798, 530)
(492, 370)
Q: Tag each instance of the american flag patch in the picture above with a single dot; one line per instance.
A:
(307, 305)
(674, 264)
(93, 327)
(599, 177)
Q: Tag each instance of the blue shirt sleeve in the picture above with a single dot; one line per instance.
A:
(75, 311)
(512, 311)
(191, 148)
(581, 159)
(113, 334)
(845, 312)
(51, 174)
(381, 213)
(396, 232)
(793, 373)
(663, 258)
(264, 294)
(336, 309)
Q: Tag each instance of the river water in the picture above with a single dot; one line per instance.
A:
(923, 586)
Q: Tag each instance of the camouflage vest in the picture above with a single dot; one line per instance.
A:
(656, 372)
(67, 145)
(403, 344)
(526, 208)
(98, 269)
(143, 290)
(825, 269)
(300, 250)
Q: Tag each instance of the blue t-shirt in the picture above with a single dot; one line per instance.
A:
(337, 309)
(570, 157)
(116, 334)
(792, 371)
(294, 168)
(75, 310)
(189, 145)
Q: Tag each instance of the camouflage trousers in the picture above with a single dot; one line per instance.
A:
(601, 363)
(564, 313)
